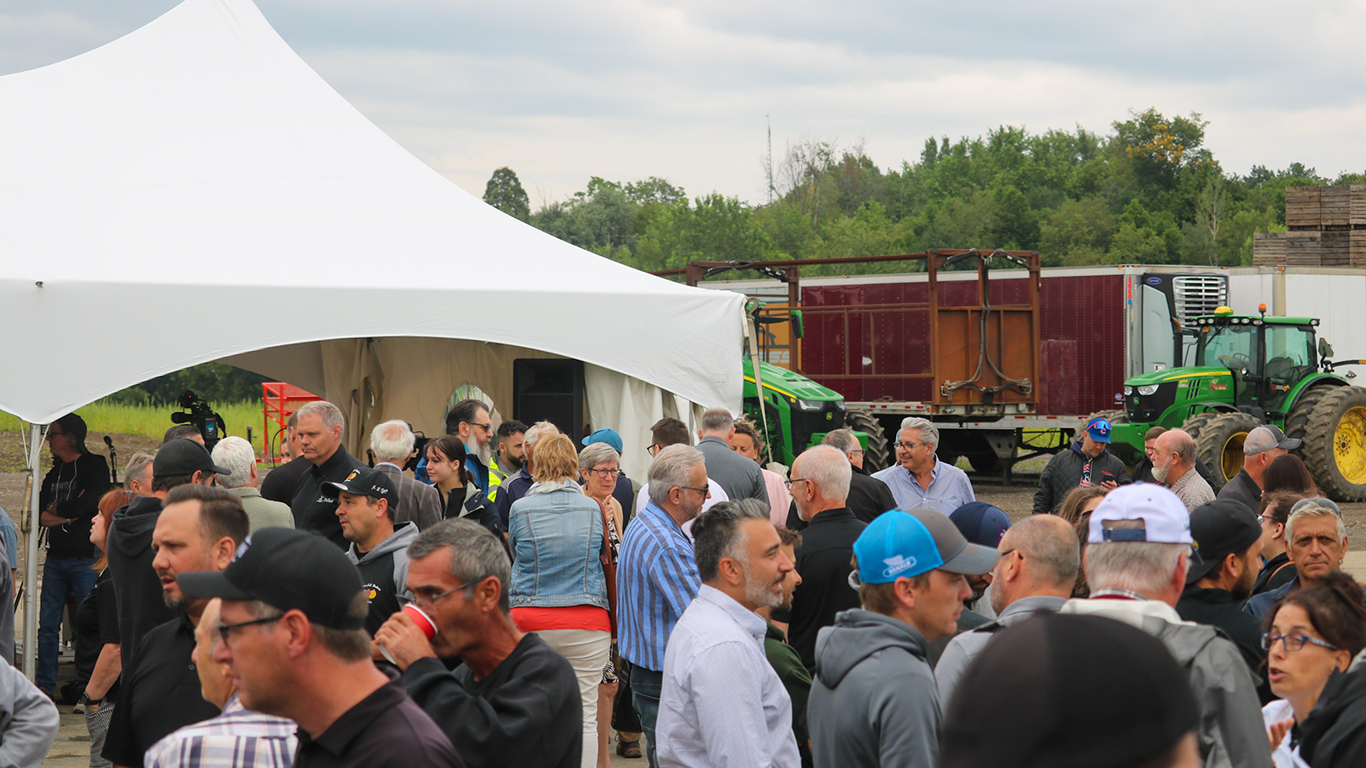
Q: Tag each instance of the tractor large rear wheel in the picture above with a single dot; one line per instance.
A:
(876, 455)
(1221, 445)
(1195, 424)
(1334, 446)
(1297, 421)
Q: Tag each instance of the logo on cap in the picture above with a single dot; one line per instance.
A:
(896, 564)
(242, 548)
(1102, 427)
(351, 476)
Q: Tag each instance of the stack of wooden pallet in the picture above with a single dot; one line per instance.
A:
(1327, 227)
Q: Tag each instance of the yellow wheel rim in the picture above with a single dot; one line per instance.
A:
(1232, 458)
(1349, 445)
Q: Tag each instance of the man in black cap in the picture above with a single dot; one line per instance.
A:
(1228, 541)
(199, 530)
(1096, 693)
(293, 632)
(320, 438)
(141, 607)
(365, 505)
(69, 498)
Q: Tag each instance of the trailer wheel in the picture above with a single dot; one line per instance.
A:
(876, 456)
(1335, 446)
(1220, 445)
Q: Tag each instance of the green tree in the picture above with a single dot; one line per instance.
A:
(504, 192)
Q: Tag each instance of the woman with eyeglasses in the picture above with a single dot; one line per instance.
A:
(1310, 634)
(559, 583)
(460, 496)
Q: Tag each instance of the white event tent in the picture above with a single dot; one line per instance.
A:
(195, 192)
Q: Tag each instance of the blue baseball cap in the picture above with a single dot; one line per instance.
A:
(981, 523)
(1098, 429)
(894, 545)
(608, 436)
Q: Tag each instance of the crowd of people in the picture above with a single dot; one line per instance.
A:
(518, 601)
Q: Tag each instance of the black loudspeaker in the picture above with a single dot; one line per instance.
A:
(549, 390)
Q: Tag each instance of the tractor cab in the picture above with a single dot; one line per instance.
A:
(1266, 356)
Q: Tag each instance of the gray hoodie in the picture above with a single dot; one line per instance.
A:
(1230, 730)
(28, 720)
(384, 570)
(873, 699)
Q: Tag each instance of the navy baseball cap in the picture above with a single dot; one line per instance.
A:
(605, 435)
(1098, 429)
(981, 523)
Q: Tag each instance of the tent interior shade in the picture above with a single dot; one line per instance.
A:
(193, 191)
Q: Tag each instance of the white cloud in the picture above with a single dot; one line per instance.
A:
(629, 88)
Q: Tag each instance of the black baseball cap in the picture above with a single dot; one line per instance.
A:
(1093, 693)
(286, 569)
(368, 482)
(183, 456)
(1220, 528)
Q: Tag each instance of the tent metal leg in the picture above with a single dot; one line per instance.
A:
(33, 528)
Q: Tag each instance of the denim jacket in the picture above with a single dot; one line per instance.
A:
(555, 534)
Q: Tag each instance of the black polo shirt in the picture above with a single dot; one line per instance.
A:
(158, 693)
(315, 505)
(868, 497)
(385, 729)
(280, 483)
(1218, 609)
(823, 562)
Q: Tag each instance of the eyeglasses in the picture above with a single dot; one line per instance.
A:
(418, 599)
(789, 483)
(653, 449)
(613, 472)
(485, 427)
(908, 446)
(1005, 552)
(704, 491)
(225, 630)
(856, 450)
(1292, 642)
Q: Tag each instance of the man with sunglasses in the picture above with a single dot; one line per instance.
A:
(471, 422)
(198, 529)
(1138, 553)
(515, 701)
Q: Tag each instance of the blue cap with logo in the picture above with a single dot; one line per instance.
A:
(605, 435)
(1099, 429)
(895, 545)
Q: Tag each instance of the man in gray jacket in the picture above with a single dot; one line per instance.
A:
(379, 548)
(392, 443)
(1139, 545)
(873, 700)
(28, 719)
(738, 476)
(237, 455)
(1040, 557)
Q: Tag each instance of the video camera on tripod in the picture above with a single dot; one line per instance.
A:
(198, 414)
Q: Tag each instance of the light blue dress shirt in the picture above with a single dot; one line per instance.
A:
(949, 487)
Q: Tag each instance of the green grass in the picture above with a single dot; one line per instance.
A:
(153, 420)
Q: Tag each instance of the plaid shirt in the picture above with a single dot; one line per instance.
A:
(238, 738)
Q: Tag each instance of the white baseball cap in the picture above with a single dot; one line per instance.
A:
(1164, 515)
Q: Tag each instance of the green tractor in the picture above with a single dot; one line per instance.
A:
(800, 412)
(1250, 371)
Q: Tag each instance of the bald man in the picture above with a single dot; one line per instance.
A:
(1174, 467)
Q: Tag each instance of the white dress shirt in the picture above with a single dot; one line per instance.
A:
(722, 704)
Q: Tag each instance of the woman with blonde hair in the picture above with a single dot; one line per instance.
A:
(559, 584)
(1076, 509)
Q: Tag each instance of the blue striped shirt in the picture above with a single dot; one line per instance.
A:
(949, 487)
(656, 581)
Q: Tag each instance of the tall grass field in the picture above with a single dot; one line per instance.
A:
(152, 420)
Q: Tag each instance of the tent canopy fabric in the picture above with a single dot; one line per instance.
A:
(194, 191)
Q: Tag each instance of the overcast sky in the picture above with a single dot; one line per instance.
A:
(625, 89)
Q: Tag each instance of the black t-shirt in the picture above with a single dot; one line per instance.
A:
(823, 561)
(385, 729)
(281, 483)
(95, 625)
(315, 505)
(76, 487)
(160, 693)
(526, 714)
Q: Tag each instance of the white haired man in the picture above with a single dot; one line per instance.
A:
(1174, 467)
(237, 455)
(1316, 541)
(919, 480)
(1139, 545)
(392, 443)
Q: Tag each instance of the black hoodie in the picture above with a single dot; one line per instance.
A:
(1334, 734)
(136, 585)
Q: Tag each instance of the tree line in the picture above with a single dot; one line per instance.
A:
(1147, 192)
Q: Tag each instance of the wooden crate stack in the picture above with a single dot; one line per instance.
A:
(1327, 227)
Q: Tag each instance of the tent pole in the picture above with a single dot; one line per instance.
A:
(32, 529)
(758, 380)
